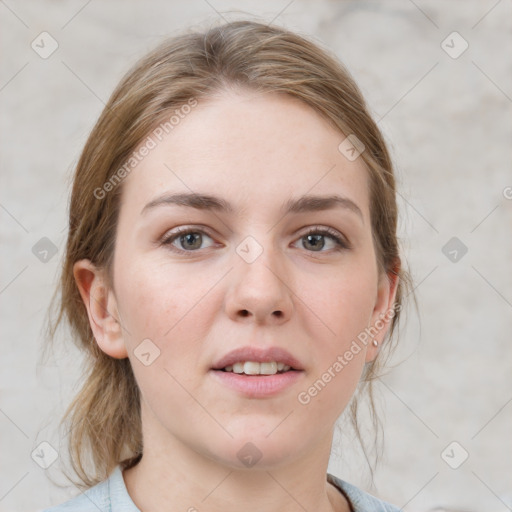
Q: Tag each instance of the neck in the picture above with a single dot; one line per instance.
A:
(174, 476)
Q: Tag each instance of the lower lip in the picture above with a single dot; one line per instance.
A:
(257, 386)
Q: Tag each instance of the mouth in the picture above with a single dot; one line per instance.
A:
(254, 368)
(258, 373)
(257, 385)
(252, 360)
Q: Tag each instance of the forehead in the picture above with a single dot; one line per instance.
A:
(255, 149)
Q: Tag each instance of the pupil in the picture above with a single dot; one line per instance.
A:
(315, 242)
(190, 238)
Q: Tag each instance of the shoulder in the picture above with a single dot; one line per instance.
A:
(95, 499)
(360, 500)
(110, 495)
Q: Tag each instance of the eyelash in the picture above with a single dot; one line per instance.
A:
(341, 244)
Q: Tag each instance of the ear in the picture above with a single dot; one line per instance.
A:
(383, 312)
(101, 308)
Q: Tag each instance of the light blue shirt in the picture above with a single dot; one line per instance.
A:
(111, 495)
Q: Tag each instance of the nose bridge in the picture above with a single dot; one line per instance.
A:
(260, 285)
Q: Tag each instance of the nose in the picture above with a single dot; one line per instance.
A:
(260, 291)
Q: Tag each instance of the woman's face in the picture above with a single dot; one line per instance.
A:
(246, 276)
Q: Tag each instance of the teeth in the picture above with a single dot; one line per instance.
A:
(268, 368)
(238, 367)
(251, 368)
(254, 368)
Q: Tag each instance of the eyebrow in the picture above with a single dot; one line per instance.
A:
(303, 204)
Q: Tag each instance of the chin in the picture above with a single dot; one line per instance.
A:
(256, 451)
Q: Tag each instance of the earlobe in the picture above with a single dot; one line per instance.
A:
(101, 308)
(383, 312)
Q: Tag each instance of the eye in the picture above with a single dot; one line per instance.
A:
(315, 236)
(189, 239)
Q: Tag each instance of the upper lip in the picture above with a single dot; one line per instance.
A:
(260, 355)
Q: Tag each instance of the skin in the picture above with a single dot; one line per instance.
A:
(256, 151)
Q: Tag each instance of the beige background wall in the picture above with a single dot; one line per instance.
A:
(448, 120)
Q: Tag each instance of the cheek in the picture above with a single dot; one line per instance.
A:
(156, 298)
(162, 304)
(338, 355)
(172, 308)
(342, 305)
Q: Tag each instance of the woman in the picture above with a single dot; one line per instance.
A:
(232, 274)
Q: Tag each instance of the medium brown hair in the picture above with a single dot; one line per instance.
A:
(104, 418)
